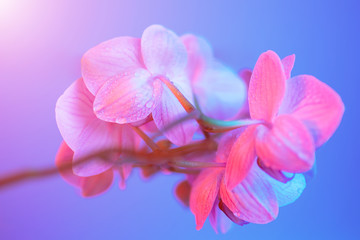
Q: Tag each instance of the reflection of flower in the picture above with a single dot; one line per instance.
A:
(84, 133)
(90, 186)
(298, 114)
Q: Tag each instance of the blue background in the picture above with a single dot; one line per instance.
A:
(41, 44)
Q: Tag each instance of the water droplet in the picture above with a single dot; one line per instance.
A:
(302, 155)
(149, 104)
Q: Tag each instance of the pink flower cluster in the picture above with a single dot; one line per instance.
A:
(244, 142)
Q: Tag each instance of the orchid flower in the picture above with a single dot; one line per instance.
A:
(299, 114)
(126, 76)
(84, 133)
(256, 199)
(220, 92)
(254, 128)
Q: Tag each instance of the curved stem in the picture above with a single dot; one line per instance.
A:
(179, 96)
(140, 158)
(181, 170)
(192, 115)
(196, 164)
(208, 124)
(146, 138)
(217, 126)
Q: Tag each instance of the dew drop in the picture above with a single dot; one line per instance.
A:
(302, 155)
(237, 214)
(149, 105)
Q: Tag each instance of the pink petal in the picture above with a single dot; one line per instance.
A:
(127, 99)
(182, 192)
(168, 111)
(90, 186)
(231, 215)
(149, 171)
(64, 157)
(150, 127)
(287, 193)
(203, 194)
(288, 64)
(225, 223)
(213, 216)
(221, 93)
(218, 219)
(124, 171)
(226, 143)
(245, 75)
(199, 55)
(275, 174)
(143, 122)
(73, 112)
(117, 56)
(97, 184)
(191, 178)
(253, 200)
(98, 136)
(163, 52)
(313, 102)
(309, 175)
(83, 131)
(241, 158)
(287, 146)
(267, 87)
(129, 141)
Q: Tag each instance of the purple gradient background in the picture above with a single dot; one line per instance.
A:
(41, 44)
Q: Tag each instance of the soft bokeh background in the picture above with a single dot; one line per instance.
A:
(41, 44)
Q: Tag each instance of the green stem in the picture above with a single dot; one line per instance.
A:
(196, 164)
(216, 126)
(208, 124)
(146, 138)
